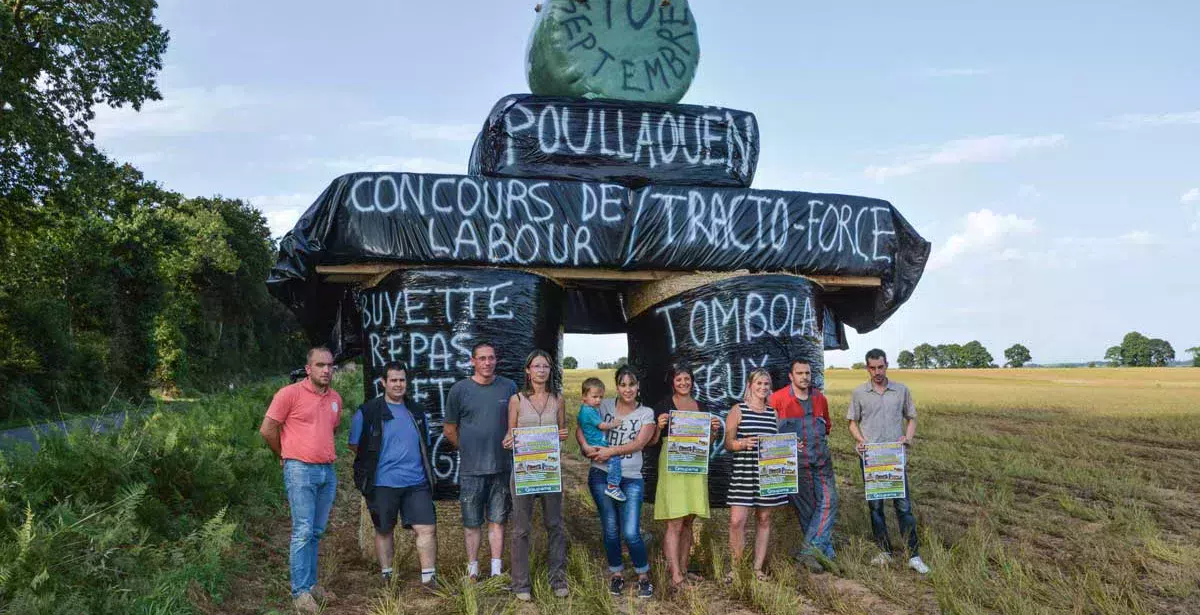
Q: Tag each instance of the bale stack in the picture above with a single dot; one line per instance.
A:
(599, 204)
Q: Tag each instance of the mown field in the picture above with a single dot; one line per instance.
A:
(1038, 491)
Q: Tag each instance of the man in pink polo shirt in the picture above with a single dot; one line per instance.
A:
(299, 427)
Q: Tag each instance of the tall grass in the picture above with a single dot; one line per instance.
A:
(141, 520)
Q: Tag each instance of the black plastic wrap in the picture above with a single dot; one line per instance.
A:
(725, 229)
(447, 220)
(623, 142)
(595, 311)
(723, 331)
(867, 308)
(429, 320)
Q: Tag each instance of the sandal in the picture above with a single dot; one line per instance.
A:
(694, 578)
(761, 576)
(728, 578)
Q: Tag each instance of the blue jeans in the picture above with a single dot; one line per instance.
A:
(614, 472)
(620, 520)
(311, 488)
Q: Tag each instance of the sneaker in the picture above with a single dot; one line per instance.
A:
(645, 588)
(615, 493)
(917, 564)
(524, 596)
(883, 559)
(305, 604)
(322, 594)
(616, 585)
(561, 592)
(387, 577)
(432, 586)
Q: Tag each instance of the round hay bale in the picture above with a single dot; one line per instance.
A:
(429, 319)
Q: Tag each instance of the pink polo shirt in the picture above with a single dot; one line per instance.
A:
(308, 420)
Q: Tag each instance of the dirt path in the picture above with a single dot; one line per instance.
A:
(353, 575)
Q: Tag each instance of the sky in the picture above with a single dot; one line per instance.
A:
(1050, 151)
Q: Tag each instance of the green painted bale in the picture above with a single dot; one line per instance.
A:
(644, 50)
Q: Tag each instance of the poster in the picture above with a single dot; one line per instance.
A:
(778, 472)
(536, 467)
(687, 442)
(883, 471)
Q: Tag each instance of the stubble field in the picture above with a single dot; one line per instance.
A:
(1036, 490)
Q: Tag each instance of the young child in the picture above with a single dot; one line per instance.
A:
(590, 420)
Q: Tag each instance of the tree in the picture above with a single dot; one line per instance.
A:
(1195, 352)
(60, 60)
(570, 363)
(1017, 355)
(1113, 356)
(1135, 350)
(925, 356)
(618, 364)
(1161, 352)
(949, 356)
(975, 356)
(906, 359)
(858, 366)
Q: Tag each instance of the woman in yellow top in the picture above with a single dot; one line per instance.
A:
(679, 498)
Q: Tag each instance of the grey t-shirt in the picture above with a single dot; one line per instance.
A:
(881, 417)
(481, 413)
(626, 432)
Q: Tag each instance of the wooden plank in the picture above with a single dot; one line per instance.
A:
(371, 274)
(857, 281)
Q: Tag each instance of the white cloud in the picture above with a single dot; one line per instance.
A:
(282, 210)
(1131, 121)
(393, 163)
(965, 151)
(984, 231)
(182, 111)
(954, 72)
(421, 130)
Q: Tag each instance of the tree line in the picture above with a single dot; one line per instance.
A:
(958, 356)
(1135, 350)
(112, 284)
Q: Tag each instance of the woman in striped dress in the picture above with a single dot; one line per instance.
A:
(748, 421)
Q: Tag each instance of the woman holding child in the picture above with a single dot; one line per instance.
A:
(632, 428)
(535, 405)
(748, 421)
(679, 498)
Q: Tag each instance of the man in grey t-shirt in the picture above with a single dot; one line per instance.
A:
(476, 422)
(883, 411)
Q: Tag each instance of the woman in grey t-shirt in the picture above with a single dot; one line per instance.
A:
(622, 519)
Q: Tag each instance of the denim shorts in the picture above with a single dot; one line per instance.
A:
(484, 494)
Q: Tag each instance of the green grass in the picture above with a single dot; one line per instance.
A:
(141, 520)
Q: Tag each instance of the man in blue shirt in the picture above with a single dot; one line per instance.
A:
(389, 436)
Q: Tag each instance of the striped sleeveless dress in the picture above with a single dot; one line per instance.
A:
(743, 482)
